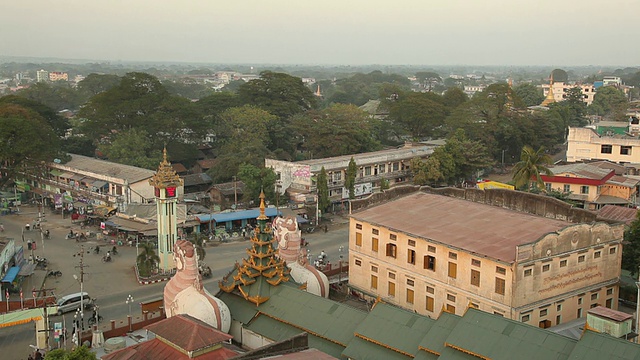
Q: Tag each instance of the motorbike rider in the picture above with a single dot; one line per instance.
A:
(97, 249)
(114, 250)
(71, 233)
(47, 233)
(107, 256)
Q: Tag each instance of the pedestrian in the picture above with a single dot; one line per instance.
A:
(326, 228)
(38, 355)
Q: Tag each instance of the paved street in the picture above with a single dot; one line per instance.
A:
(111, 283)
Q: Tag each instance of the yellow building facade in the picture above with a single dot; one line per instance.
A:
(427, 252)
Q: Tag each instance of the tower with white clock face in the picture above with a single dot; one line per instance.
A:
(167, 184)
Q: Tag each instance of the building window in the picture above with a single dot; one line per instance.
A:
(475, 277)
(374, 269)
(411, 256)
(453, 270)
(559, 307)
(430, 262)
(374, 231)
(526, 318)
(393, 237)
(358, 239)
(409, 296)
(392, 289)
(451, 308)
(396, 166)
(545, 267)
(453, 256)
(392, 250)
(528, 272)
(410, 282)
(358, 262)
(501, 270)
(374, 244)
(431, 248)
(359, 226)
(475, 262)
(606, 149)
(579, 301)
(451, 298)
(374, 282)
(608, 303)
(558, 319)
(430, 289)
(563, 263)
(597, 254)
(594, 296)
(381, 168)
(500, 285)
(543, 312)
(612, 250)
(579, 313)
(581, 258)
(367, 171)
(625, 150)
(430, 303)
(584, 189)
(412, 243)
(610, 291)
(547, 186)
(593, 305)
(392, 275)
(567, 188)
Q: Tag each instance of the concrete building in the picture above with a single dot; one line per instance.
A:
(588, 144)
(594, 185)
(94, 181)
(426, 252)
(298, 179)
(559, 90)
(42, 75)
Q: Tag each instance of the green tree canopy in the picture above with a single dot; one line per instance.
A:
(257, 179)
(559, 75)
(454, 97)
(27, 143)
(95, 84)
(280, 94)
(57, 96)
(59, 124)
(350, 178)
(631, 248)
(323, 190)
(79, 353)
(132, 147)
(530, 94)
(421, 114)
(609, 101)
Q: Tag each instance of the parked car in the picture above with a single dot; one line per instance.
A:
(72, 302)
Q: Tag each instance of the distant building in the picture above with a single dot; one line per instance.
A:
(57, 76)
(42, 75)
(610, 144)
(471, 90)
(559, 90)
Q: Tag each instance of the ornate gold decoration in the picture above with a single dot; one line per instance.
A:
(165, 176)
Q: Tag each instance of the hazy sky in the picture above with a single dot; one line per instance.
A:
(429, 32)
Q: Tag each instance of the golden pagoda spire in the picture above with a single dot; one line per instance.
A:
(262, 207)
(166, 176)
(550, 99)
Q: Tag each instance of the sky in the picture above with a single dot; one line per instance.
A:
(327, 32)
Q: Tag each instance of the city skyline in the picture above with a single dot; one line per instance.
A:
(458, 32)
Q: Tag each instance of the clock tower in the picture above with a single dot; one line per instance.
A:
(166, 184)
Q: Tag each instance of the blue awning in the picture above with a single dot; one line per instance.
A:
(11, 274)
(301, 220)
(237, 215)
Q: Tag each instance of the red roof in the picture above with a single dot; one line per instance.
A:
(207, 163)
(483, 229)
(157, 350)
(188, 333)
(611, 314)
(618, 213)
(179, 168)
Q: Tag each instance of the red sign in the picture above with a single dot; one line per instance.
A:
(171, 192)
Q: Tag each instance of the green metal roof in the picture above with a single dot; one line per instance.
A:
(597, 346)
(496, 337)
(241, 309)
(278, 331)
(312, 313)
(364, 350)
(437, 335)
(397, 328)
(453, 354)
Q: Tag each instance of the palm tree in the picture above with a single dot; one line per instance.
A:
(148, 259)
(527, 172)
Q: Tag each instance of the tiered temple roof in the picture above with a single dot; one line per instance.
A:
(262, 270)
(166, 176)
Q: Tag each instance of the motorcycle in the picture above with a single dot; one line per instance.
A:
(41, 263)
(107, 258)
(95, 318)
(47, 234)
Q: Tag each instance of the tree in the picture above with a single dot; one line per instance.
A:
(323, 190)
(609, 101)
(530, 94)
(559, 75)
(95, 84)
(453, 98)
(631, 248)
(79, 353)
(428, 79)
(426, 172)
(532, 165)
(147, 260)
(59, 124)
(56, 96)
(460, 158)
(418, 113)
(256, 180)
(132, 147)
(280, 94)
(27, 143)
(350, 179)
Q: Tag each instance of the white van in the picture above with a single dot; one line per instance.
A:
(73, 302)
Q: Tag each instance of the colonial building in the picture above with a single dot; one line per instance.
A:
(589, 144)
(559, 91)
(298, 179)
(427, 252)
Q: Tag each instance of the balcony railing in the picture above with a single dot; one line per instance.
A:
(109, 198)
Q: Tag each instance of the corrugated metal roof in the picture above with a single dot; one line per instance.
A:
(236, 215)
(397, 328)
(495, 337)
(623, 181)
(126, 172)
(582, 170)
(483, 229)
(196, 179)
(610, 313)
(438, 333)
(608, 199)
(362, 349)
(598, 346)
(618, 213)
(188, 333)
(241, 309)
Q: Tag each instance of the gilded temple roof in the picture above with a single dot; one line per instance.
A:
(166, 176)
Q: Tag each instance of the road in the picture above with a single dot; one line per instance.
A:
(111, 283)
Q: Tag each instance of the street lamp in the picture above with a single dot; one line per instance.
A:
(77, 323)
(129, 302)
(340, 250)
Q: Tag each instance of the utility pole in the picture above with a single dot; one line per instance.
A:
(82, 302)
(235, 194)
(46, 328)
